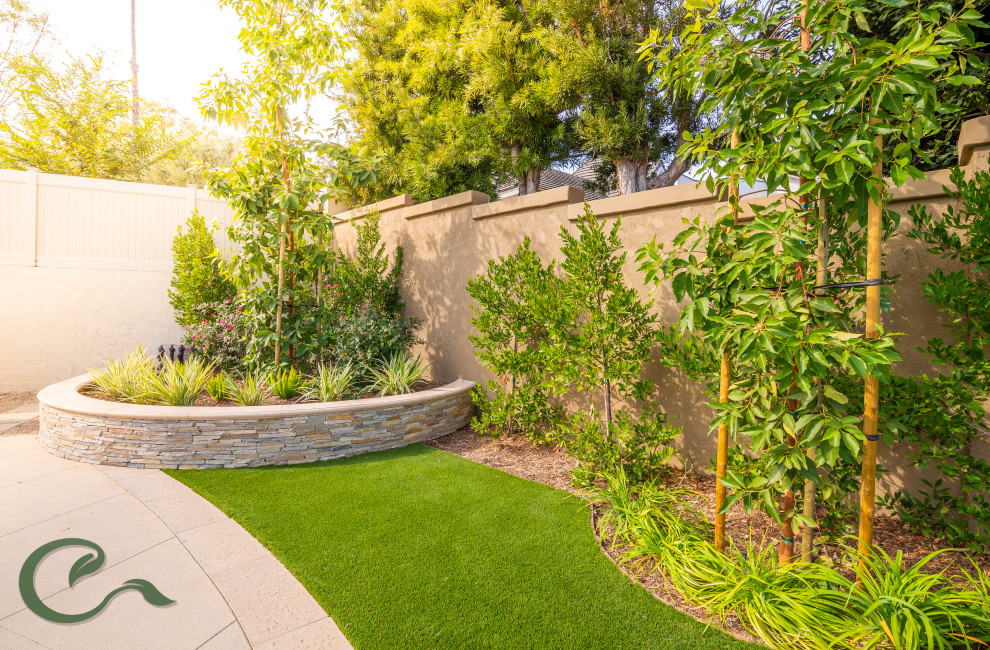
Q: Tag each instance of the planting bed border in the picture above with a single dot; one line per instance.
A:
(177, 437)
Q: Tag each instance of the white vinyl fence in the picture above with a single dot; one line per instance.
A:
(49, 220)
(85, 267)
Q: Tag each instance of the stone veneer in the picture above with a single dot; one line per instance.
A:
(112, 433)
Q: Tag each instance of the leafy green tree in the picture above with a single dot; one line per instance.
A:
(282, 175)
(599, 340)
(940, 149)
(74, 121)
(622, 118)
(404, 96)
(200, 278)
(943, 414)
(454, 93)
(25, 35)
(204, 149)
(517, 297)
(507, 67)
(800, 109)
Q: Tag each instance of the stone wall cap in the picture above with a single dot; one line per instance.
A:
(565, 194)
(65, 396)
(452, 202)
(394, 203)
(975, 133)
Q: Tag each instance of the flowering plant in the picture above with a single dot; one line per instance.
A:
(221, 337)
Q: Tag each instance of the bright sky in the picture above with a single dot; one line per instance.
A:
(180, 43)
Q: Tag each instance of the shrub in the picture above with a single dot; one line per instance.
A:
(398, 375)
(332, 383)
(126, 379)
(943, 414)
(221, 336)
(513, 295)
(200, 277)
(251, 391)
(179, 384)
(369, 336)
(285, 384)
(368, 280)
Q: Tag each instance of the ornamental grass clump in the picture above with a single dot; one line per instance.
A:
(250, 391)
(286, 384)
(331, 383)
(179, 383)
(216, 386)
(125, 379)
(795, 605)
(398, 375)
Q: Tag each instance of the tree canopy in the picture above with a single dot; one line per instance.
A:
(464, 94)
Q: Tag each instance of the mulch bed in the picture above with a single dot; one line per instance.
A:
(551, 466)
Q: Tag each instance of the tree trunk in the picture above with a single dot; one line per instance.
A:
(607, 389)
(677, 167)
(134, 70)
(631, 173)
(529, 180)
(281, 285)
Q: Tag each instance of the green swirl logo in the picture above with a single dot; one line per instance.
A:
(84, 566)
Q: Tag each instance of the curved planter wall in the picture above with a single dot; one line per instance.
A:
(174, 437)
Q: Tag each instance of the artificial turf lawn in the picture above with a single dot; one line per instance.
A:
(419, 548)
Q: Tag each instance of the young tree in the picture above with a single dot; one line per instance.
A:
(820, 113)
(599, 340)
(518, 296)
(199, 277)
(282, 174)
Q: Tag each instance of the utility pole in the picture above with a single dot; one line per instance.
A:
(134, 70)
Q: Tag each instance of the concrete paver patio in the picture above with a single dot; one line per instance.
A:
(229, 591)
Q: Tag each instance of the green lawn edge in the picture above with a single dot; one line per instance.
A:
(419, 548)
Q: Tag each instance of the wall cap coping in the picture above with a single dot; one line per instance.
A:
(641, 201)
(932, 186)
(975, 133)
(394, 203)
(470, 197)
(546, 198)
(65, 396)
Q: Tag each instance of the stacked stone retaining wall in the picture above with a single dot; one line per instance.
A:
(161, 437)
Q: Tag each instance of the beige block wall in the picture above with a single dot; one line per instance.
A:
(57, 322)
(448, 241)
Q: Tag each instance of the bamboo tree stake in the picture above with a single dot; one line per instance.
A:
(821, 277)
(725, 377)
(785, 551)
(868, 486)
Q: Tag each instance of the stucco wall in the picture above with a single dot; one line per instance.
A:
(57, 322)
(450, 240)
